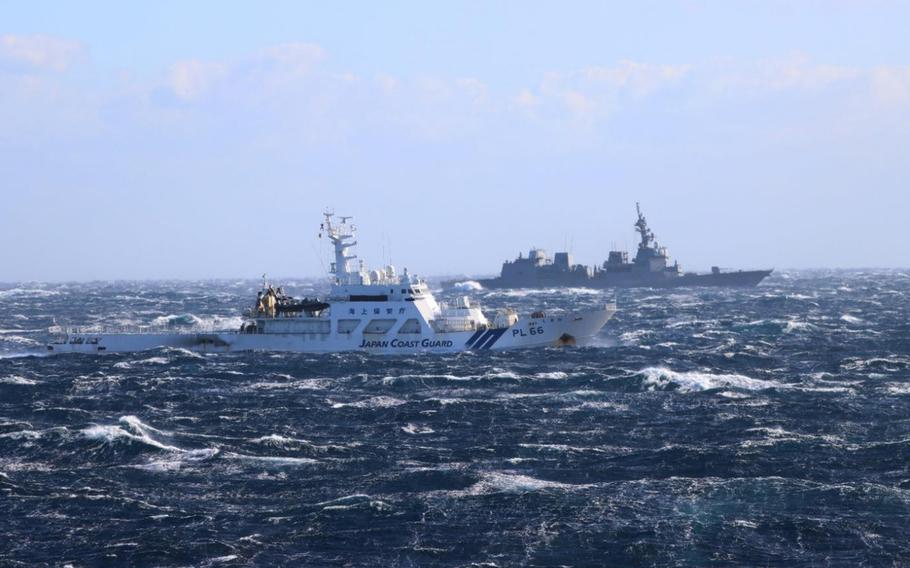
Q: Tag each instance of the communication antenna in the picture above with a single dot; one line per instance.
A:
(319, 254)
(388, 248)
(318, 250)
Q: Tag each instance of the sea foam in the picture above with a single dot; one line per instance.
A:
(693, 381)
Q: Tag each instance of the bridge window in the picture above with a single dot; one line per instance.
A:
(379, 326)
(410, 326)
(347, 325)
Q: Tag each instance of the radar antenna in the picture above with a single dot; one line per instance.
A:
(647, 236)
(342, 237)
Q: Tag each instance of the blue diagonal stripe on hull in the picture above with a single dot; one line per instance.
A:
(494, 336)
(474, 337)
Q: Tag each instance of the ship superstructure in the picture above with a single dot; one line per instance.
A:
(651, 267)
(376, 311)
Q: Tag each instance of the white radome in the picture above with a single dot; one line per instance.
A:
(376, 311)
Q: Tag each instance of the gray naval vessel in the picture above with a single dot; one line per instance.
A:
(650, 268)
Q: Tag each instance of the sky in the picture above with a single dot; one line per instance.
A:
(204, 139)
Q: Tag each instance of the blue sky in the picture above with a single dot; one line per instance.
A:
(203, 139)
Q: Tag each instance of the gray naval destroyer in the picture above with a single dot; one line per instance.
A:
(378, 311)
(651, 268)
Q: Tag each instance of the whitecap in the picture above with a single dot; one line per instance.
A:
(28, 292)
(177, 320)
(137, 424)
(502, 374)
(272, 460)
(415, 429)
(107, 433)
(20, 340)
(355, 501)
(278, 440)
(153, 361)
(18, 380)
(507, 482)
(561, 448)
(552, 375)
(304, 384)
(184, 352)
(135, 430)
(192, 321)
(775, 435)
(891, 363)
(693, 381)
(744, 524)
(795, 325)
(633, 337)
(733, 394)
(521, 293)
(22, 435)
(373, 402)
(448, 401)
(599, 405)
(179, 460)
(22, 354)
(468, 285)
(898, 388)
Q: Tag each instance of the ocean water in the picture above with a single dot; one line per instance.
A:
(759, 427)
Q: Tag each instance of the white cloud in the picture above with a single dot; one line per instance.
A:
(794, 73)
(526, 99)
(474, 88)
(193, 78)
(295, 58)
(640, 78)
(270, 68)
(595, 92)
(387, 84)
(289, 90)
(891, 85)
(40, 51)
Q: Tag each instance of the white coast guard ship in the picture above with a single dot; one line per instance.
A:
(375, 311)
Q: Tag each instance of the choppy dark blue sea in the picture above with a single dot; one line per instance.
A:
(705, 427)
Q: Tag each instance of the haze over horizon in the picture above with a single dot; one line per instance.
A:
(204, 140)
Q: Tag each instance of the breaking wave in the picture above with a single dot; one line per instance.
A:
(467, 285)
(694, 381)
(28, 293)
(372, 402)
(17, 380)
(493, 482)
(130, 428)
(192, 321)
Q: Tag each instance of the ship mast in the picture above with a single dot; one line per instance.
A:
(342, 236)
(647, 237)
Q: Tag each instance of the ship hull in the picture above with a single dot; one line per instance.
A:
(603, 280)
(554, 330)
